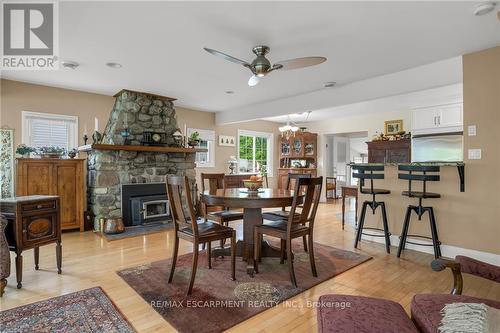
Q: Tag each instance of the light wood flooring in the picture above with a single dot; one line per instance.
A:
(90, 261)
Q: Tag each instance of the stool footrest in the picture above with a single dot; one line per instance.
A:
(417, 243)
(374, 235)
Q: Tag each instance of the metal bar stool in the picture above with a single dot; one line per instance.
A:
(421, 175)
(372, 172)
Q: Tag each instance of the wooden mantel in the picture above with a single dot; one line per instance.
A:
(156, 149)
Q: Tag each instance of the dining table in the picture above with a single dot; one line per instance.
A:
(252, 204)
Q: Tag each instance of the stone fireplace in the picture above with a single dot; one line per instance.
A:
(113, 165)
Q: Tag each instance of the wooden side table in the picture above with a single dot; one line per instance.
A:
(349, 191)
(33, 221)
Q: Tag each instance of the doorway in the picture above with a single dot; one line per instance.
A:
(343, 149)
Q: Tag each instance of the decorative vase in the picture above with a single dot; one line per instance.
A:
(114, 226)
(4, 255)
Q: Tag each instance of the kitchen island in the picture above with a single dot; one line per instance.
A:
(451, 210)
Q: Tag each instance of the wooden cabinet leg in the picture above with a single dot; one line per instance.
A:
(343, 211)
(59, 256)
(3, 284)
(37, 256)
(19, 269)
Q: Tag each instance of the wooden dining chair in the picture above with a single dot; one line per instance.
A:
(188, 228)
(331, 185)
(295, 226)
(219, 214)
(279, 215)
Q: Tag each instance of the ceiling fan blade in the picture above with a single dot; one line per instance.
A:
(227, 57)
(300, 62)
(254, 79)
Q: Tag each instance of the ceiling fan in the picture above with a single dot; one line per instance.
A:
(260, 66)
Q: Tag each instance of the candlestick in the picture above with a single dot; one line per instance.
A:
(185, 135)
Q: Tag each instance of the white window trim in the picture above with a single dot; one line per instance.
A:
(73, 132)
(270, 148)
(209, 135)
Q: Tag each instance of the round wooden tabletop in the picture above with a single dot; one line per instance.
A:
(241, 198)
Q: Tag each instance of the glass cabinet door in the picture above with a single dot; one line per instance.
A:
(297, 146)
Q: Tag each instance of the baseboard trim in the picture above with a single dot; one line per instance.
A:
(448, 251)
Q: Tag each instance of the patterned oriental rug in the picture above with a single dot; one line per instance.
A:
(217, 303)
(84, 311)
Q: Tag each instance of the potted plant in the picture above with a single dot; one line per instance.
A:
(194, 139)
(51, 152)
(24, 150)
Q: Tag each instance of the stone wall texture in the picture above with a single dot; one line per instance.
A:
(109, 170)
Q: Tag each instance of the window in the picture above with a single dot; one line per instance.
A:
(255, 150)
(207, 140)
(47, 129)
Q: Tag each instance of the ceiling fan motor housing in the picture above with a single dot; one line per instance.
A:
(260, 65)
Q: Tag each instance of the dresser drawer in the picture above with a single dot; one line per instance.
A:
(43, 205)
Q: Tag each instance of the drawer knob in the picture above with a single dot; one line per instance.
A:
(39, 206)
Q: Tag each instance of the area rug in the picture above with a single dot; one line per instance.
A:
(139, 231)
(217, 303)
(84, 311)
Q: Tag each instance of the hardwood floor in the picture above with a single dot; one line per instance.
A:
(90, 261)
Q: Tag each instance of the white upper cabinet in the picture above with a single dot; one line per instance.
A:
(438, 119)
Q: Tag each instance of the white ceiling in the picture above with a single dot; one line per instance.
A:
(160, 45)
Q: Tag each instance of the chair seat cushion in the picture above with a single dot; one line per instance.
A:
(229, 215)
(209, 228)
(375, 191)
(344, 314)
(426, 308)
(416, 194)
(278, 215)
(282, 225)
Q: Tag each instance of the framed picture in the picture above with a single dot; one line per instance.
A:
(393, 127)
(226, 140)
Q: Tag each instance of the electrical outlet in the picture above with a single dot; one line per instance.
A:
(471, 130)
(474, 154)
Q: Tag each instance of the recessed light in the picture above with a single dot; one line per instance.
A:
(114, 65)
(484, 8)
(70, 64)
(329, 84)
(229, 92)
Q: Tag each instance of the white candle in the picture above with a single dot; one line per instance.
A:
(85, 129)
(185, 135)
(96, 122)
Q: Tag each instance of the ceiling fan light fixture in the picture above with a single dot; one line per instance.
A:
(484, 8)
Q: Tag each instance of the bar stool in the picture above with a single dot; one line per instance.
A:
(422, 176)
(372, 172)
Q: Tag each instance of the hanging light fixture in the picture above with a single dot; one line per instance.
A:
(289, 129)
(292, 127)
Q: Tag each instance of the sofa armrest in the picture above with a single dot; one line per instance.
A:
(440, 264)
(479, 268)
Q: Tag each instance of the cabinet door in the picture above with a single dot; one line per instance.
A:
(424, 118)
(283, 177)
(398, 155)
(450, 116)
(39, 228)
(68, 186)
(376, 155)
(34, 178)
(297, 146)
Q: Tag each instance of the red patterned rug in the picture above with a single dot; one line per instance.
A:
(217, 303)
(88, 310)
